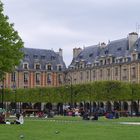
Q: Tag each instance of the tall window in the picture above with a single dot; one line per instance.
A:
(81, 75)
(94, 74)
(124, 74)
(26, 77)
(38, 78)
(13, 77)
(60, 78)
(133, 72)
(101, 73)
(108, 72)
(116, 71)
(87, 75)
(49, 78)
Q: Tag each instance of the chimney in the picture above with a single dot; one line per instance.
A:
(102, 45)
(132, 38)
(60, 52)
(76, 52)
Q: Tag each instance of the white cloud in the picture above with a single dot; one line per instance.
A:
(71, 23)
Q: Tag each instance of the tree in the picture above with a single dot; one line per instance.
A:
(10, 45)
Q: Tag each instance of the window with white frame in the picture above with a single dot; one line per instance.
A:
(13, 76)
(49, 78)
(59, 68)
(25, 66)
(49, 67)
(37, 66)
(26, 75)
(81, 75)
(38, 78)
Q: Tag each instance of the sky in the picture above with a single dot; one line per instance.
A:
(68, 24)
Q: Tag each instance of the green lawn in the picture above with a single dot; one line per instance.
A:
(71, 128)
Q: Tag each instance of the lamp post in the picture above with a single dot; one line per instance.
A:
(2, 93)
(69, 80)
(132, 91)
(14, 89)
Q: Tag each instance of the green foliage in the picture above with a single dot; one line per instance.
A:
(96, 91)
(10, 45)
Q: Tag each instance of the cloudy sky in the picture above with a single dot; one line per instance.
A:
(66, 24)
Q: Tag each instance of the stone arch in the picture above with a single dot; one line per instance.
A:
(12, 105)
(49, 106)
(37, 106)
(117, 106)
(87, 106)
(81, 105)
(134, 107)
(25, 105)
(101, 104)
(60, 108)
(125, 106)
(108, 106)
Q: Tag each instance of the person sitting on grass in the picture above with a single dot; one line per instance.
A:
(95, 117)
(2, 118)
(19, 119)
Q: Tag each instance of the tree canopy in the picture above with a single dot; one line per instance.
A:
(10, 45)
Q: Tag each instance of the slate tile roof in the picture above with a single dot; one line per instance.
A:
(42, 57)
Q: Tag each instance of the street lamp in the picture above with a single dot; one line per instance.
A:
(2, 94)
(14, 89)
(71, 90)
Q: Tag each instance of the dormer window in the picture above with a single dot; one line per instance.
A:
(25, 66)
(49, 67)
(37, 66)
(59, 67)
(119, 49)
(101, 62)
(134, 57)
(26, 56)
(108, 61)
(52, 57)
(35, 56)
(42, 57)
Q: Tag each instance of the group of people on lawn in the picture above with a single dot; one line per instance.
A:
(19, 119)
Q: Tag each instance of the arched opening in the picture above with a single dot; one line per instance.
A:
(48, 106)
(108, 106)
(125, 106)
(101, 104)
(87, 106)
(117, 106)
(135, 108)
(60, 108)
(81, 105)
(26, 106)
(12, 105)
(94, 106)
(37, 106)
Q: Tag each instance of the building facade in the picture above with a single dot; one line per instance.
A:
(118, 60)
(39, 68)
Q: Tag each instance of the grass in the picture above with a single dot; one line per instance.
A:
(71, 128)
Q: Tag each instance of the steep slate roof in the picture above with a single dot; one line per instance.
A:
(43, 57)
(117, 48)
